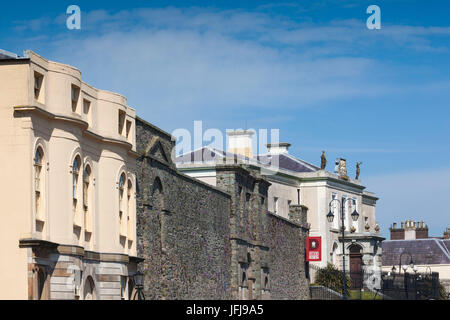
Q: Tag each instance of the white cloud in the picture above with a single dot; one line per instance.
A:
(203, 61)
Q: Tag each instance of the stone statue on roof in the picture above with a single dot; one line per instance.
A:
(323, 161)
(358, 170)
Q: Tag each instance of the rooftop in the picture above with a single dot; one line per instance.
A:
(5, 55)
(423, 251)
(285, 161)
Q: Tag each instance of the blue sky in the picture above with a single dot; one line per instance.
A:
(311, 69)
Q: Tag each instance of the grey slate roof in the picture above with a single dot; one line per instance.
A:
(423, 251)
(286, 162)
(206, 155)
(7, 55)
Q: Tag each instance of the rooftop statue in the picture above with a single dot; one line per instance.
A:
(323, 161)
(358, 170)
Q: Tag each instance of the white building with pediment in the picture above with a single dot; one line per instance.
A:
(295, 181)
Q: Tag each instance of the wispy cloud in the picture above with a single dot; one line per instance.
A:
(204, 59)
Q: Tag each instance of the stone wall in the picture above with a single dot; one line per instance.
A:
(288, 278)
(250, 270)
(183, 226)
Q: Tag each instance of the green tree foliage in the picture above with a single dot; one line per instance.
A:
(331, 278)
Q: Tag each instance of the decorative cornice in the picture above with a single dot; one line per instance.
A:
(79, 122)
(79, 251)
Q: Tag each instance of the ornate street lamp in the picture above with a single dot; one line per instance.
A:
(405, 266)
(355, 215)
(330, 218)
(138, 278)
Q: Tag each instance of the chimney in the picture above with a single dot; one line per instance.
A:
(240, 142)
(397, 233)
(447, 233)
(278, 148)
(410, 230)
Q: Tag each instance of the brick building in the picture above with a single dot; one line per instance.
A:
(429, 254)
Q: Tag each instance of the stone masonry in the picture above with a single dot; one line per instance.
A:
(182, 226)
(248, 219)
(205, 242)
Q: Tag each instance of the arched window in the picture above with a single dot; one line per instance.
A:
(38, 183)
(129, 208)
(75, 176)
(122, 180)
(89, 289)
(86, 181)
(86, 191)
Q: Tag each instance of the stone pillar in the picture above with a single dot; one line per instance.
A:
(298, 214)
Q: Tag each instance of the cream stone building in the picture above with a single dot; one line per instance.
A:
(68, 159)
(297, 182)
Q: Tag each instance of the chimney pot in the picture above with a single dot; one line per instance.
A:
(278, 148)
(240, 142)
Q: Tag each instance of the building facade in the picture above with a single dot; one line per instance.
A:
(203, 241)
(409, 241)
(296, 182)
(68, 162)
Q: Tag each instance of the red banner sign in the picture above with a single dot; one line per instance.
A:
(313, 248)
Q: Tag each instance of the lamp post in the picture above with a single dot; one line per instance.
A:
(405, 267)
(330, 218)
(139, 285)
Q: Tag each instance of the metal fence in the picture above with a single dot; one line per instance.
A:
(419, 286)
(372, 285)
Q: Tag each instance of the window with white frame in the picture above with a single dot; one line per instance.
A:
(129, 209)
(38, 81)
(75, 176)
(121, 204)
(38, 183)
(87, 110)
(345, 213)
(74, 95)
(86, 195)
(355, 224)
(335, 210)
(121, 118)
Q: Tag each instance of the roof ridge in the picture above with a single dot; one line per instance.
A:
(191, 151)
